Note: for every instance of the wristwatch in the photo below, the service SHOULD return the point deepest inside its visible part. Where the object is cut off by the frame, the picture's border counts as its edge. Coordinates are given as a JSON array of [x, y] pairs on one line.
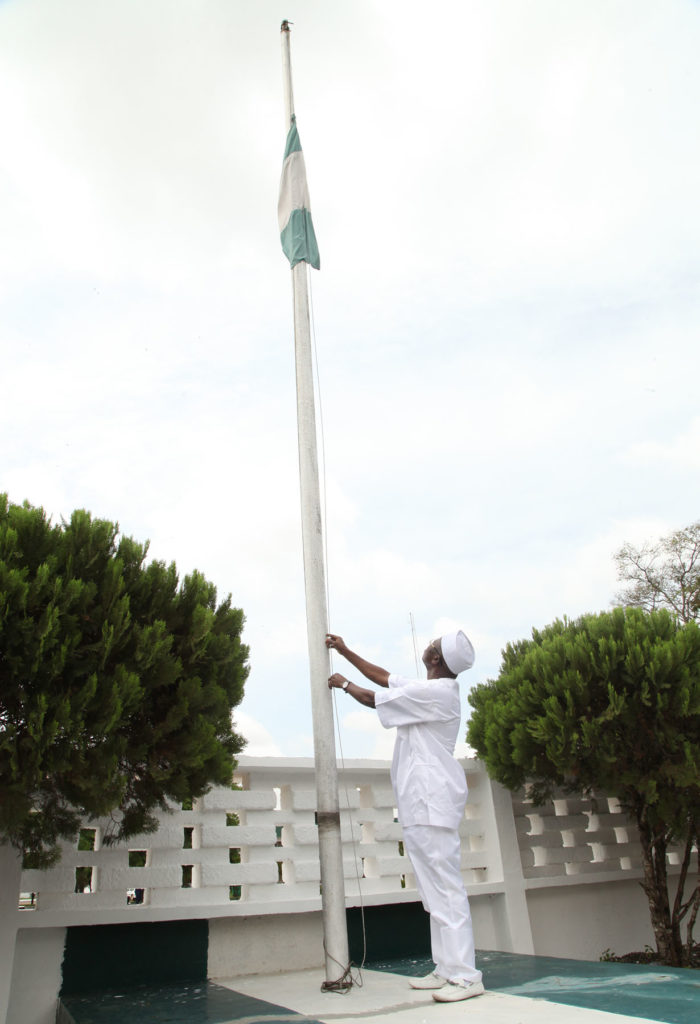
[[345, 685]]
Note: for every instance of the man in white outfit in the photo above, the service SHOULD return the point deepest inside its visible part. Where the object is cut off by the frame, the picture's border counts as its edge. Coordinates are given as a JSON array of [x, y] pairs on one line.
[[431, 791]]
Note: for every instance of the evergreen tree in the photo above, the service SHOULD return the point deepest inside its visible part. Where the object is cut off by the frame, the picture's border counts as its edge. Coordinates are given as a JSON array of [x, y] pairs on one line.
[[116, 681], [609, 702]]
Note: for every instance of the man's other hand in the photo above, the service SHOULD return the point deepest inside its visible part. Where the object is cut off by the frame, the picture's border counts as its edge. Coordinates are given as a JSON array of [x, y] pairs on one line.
[[336, 643]]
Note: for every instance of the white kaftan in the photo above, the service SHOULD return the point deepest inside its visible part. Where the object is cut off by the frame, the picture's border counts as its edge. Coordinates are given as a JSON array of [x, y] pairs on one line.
[[431, 792]]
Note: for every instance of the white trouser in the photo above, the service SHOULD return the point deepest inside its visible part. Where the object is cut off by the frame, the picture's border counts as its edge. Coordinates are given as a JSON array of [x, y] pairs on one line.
[[434, 853]]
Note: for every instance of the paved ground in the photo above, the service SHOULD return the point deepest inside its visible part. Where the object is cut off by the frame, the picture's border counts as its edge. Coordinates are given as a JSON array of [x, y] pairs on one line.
[[388, 997]]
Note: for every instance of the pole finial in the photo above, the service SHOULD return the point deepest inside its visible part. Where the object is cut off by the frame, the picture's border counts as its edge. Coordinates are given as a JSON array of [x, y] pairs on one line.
[[285, 25]]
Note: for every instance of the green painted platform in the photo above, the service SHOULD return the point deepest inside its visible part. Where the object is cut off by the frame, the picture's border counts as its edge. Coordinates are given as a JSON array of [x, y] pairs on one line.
[[193, 1003], [669, 995]]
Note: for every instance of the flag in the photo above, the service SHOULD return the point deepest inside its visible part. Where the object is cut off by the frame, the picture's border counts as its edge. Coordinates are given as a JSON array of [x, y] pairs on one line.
[[293, 210]]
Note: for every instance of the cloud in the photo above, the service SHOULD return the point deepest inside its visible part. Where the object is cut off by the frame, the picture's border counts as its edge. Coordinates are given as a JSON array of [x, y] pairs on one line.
[[682, 452], [259, 742]]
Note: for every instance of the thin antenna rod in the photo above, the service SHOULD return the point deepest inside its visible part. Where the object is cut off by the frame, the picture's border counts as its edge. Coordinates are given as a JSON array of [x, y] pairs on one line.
[[415, 646]]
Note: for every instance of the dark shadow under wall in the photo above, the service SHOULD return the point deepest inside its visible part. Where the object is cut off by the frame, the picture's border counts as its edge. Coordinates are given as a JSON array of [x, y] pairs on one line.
[[394, 930], [99, 957]]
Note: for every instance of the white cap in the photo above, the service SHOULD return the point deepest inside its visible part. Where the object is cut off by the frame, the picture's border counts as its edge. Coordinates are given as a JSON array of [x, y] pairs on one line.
[[457, 651]]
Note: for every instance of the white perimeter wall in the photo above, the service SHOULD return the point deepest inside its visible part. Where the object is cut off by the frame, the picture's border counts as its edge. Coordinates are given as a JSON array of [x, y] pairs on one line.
[[562, 880], [36, 978]]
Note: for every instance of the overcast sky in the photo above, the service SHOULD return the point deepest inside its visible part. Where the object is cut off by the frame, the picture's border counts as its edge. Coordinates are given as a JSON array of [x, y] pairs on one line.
[[506, 200]]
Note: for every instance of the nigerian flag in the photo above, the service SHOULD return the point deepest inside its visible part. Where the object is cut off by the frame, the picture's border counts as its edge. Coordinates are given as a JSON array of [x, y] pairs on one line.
[[293, 210]]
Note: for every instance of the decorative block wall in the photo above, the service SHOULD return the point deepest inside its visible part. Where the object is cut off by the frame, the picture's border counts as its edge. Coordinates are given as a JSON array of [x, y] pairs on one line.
[[253, 850], [574, 836]]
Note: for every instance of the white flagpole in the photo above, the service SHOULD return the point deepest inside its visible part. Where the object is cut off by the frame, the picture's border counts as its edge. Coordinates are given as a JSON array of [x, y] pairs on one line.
[[335, 932]]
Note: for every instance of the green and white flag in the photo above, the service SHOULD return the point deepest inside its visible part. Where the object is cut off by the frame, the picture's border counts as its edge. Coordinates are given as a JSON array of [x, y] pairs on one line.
[[293, 210]]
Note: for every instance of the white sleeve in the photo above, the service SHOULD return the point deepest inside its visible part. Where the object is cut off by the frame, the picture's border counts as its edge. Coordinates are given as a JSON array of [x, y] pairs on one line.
[[409, 701], [396, 681]]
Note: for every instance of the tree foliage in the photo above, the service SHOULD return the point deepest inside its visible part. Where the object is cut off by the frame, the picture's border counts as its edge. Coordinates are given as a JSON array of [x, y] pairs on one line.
[[663, 575], [116, 681], [608, 702]]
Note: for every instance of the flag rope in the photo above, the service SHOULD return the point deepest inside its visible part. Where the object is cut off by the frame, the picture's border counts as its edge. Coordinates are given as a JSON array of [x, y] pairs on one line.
[[354, 842]]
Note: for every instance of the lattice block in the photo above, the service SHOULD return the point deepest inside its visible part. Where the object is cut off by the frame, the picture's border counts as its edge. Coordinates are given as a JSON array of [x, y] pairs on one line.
[[304, 799], [565, 822], [569, 855], [544, 871], [190, 897], [167, 858], [521, 807], [469, 859], [617, 820], [392, 865], [170, 833], [527, 858], [308, 870], [578, 837], [305, 835], [388, 831], [140, 878], [578, 805], [238, 874], [238, 835], [377, 816], [82, 901], [350, 832], [545, 839], [385, 850], [602, 835], [614, 853], [241, 799], [523, 826], [348, 798], [593, 867], [58, 879]]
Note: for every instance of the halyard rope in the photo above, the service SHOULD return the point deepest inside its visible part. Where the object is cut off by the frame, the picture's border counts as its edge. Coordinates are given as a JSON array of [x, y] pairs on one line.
[[344, 983]]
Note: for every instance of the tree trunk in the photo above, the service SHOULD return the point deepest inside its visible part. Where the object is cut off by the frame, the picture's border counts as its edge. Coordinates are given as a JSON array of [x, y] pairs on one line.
[[667, 932], [692, 905], [681, 908]]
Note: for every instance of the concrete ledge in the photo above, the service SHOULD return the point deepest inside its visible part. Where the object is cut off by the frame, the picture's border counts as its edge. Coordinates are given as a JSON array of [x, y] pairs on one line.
[[389, 996]]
